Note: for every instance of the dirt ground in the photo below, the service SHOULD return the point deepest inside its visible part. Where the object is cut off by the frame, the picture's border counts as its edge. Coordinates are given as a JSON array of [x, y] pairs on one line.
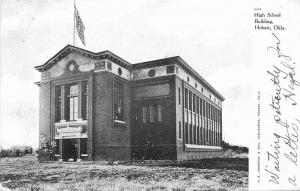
[[219, 174]]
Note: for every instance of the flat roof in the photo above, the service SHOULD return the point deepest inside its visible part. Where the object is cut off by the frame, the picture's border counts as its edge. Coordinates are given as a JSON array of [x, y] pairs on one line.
[[180, 62]]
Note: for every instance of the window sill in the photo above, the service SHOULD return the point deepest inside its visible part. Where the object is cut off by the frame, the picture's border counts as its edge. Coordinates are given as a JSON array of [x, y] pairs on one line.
[[191, 147], [64, 122], [119, 121]]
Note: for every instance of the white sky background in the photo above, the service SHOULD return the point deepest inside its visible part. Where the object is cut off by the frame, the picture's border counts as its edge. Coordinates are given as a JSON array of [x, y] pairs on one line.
[[211, 36]]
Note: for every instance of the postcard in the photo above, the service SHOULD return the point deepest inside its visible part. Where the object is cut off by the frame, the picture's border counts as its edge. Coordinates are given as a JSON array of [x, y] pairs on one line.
[[275, 46], [149, 95]]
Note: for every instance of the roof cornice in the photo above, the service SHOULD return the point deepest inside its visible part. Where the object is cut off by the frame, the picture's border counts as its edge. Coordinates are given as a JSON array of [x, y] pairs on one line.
[[72, 49], [180, 62], [121, 62]]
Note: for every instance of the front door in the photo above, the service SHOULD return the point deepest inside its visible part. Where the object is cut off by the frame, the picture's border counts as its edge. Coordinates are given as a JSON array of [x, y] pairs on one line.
[[69, 150]]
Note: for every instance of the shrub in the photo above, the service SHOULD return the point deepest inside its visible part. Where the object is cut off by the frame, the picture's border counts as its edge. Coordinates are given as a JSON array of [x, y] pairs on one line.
[[6, 153], [47, 149]]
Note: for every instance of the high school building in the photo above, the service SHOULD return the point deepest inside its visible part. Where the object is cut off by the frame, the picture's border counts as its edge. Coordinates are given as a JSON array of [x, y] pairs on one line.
[[97, 106]]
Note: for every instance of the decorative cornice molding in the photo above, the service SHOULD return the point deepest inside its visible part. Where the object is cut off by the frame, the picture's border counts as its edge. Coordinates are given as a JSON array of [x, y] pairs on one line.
[[72, 49], [123, 63], [181, 63]]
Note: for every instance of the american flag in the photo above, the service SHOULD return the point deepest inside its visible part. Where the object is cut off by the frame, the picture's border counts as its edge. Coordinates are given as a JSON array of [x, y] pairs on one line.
[[79, 25]]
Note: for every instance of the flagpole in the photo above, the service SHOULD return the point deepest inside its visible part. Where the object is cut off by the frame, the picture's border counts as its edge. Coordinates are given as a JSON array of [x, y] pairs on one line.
[[74, 26]]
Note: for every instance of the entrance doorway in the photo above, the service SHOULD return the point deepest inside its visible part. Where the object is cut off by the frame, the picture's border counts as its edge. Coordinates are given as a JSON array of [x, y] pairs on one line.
[[148, 129], [69, 150]]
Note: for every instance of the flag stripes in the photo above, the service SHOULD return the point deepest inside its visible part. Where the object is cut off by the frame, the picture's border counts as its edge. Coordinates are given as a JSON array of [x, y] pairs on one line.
[[79, 25]]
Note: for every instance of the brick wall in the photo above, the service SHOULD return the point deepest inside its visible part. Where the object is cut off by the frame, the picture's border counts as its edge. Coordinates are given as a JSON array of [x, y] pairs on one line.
[[44, 112], [101, 101], [109, 139], [162, 135]]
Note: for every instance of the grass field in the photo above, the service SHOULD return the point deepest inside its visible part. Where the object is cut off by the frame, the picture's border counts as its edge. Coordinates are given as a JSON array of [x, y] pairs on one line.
[[27, 173]]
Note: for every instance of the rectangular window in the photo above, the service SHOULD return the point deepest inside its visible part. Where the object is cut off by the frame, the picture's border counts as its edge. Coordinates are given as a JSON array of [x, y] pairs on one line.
[[185, 98], [108, 65], [144, 114], [207, 111], [151, 113], [57, 103], [194, 102], [159, 118], [186, 133], [201, 136], [198, 135], [170, 69], [197, 105], [204, 108], [201, 107], [195, 135], [191, 135], [220, 117], [179, 97], [210, 111], [118, 101], [179, 129], [190, 100], [214, 114], [72, 102], [100, 65], [84, 100]]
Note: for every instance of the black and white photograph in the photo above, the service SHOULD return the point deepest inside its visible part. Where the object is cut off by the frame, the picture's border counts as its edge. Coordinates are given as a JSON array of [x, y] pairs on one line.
[[148, 95]]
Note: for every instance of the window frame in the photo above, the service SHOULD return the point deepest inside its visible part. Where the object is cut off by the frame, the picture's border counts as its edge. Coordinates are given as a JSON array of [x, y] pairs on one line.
[[58, 102], [179, 96], [179, 130], [118, 98], [72, 105]]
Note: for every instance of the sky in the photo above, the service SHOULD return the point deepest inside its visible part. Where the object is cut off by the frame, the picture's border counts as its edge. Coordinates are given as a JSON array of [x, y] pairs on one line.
[[211, 36]]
